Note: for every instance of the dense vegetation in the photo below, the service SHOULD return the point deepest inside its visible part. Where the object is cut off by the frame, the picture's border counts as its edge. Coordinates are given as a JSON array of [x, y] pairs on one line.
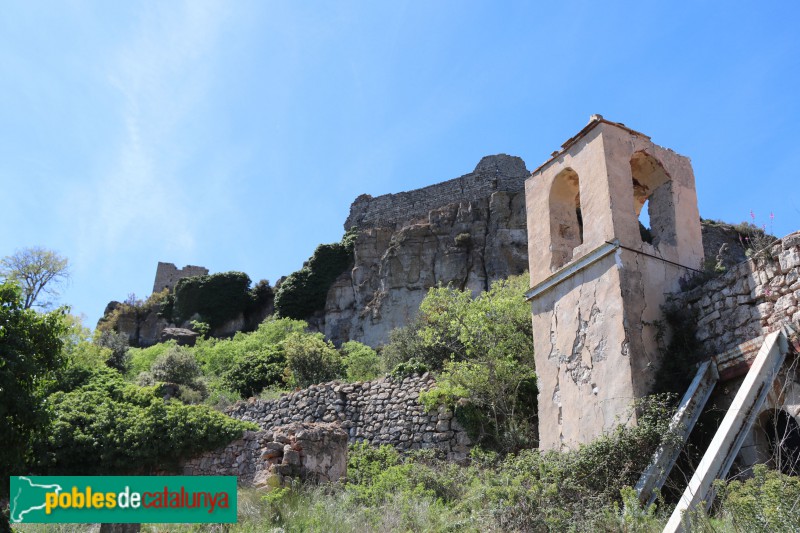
[[206, 302], [113, 409], [303, 292]]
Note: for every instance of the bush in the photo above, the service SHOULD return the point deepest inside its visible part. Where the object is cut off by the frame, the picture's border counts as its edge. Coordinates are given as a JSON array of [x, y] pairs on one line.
[[495, 400], [250, 374], [107, 426], [770, 501], [451, 325], [141, 359], [483, 347], [409, 368], [556, 491], [304, 292], [311, 360], [216, 298], [361, 361], [178, 366]]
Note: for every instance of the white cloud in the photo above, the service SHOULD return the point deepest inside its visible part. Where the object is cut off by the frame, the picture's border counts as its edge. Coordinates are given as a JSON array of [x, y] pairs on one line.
[[162, 74]]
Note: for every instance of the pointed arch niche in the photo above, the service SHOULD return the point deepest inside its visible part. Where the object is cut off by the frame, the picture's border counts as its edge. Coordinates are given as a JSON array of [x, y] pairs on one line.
[[566, 219]]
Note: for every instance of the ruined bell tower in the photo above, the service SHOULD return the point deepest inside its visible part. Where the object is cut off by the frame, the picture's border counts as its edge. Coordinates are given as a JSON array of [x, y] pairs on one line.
[[598, 279]]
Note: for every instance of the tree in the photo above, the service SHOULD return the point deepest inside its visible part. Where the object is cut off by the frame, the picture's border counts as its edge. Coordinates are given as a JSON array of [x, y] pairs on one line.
[[30, 354], [38, 271]]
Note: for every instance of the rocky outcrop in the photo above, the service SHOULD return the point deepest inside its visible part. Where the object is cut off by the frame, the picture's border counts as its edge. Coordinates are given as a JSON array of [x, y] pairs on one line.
[[467, 232], [182, 336]]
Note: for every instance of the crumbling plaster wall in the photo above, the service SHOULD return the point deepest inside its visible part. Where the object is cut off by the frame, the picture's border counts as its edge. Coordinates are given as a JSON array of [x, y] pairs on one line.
[[594, 336]]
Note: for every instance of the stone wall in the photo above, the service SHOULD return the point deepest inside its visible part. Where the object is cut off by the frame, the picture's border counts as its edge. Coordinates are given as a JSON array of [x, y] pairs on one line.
[[748, 301], [492, 174], [309, 452], [167, 275], [467, 232], [385, 411]]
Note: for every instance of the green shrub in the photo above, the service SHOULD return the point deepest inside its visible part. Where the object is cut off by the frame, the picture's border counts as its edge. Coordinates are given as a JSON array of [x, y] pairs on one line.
[[253, 372], [310, 359], [409, 368], [451, 325], [303, 292], [106, 425], [141, 359], [495, 400], [361, 361], [534, 491], [117, 343], [770, 501], [406, 344], [177, 365], [483, 347], [216, 298]]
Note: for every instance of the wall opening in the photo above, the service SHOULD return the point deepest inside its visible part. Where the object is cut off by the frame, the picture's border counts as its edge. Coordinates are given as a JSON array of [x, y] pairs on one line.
[[653, 202], [566, 218], [783, 435]]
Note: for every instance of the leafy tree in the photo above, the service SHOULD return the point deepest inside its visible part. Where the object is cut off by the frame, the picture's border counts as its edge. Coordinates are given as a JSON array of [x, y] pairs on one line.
[[311, 360], [484, 347], [117, 343], [30, 355], [216, 298], [38, 271]]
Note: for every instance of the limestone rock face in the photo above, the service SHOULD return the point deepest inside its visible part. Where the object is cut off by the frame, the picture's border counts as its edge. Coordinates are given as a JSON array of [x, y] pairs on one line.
[[467, 232]]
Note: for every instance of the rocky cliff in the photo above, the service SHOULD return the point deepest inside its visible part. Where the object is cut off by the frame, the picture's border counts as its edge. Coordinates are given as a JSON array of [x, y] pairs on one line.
[[468, 232]]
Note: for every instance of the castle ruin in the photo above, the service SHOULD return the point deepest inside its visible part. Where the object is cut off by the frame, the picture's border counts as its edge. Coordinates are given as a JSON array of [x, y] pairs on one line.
[[167, 275]]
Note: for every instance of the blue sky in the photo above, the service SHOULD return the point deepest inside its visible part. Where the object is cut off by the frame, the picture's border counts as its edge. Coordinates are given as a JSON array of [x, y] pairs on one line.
[[235, 134]]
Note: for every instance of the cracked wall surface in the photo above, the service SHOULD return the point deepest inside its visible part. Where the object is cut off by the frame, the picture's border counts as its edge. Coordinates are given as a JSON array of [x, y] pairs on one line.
[[594, 333]]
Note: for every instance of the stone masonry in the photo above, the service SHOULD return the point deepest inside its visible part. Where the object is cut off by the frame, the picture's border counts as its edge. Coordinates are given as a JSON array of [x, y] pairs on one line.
[[468, 232], [167, 275], [385, 411], [750, 300], [308, 452], [498, 173]]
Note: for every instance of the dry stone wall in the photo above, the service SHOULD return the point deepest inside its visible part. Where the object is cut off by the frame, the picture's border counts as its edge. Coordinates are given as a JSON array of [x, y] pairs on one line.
[[385, 411], [748, 301], [309, 452]]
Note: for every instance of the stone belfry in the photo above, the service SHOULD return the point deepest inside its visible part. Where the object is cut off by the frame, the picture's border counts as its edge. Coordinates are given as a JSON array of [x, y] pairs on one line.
[[599, 277]]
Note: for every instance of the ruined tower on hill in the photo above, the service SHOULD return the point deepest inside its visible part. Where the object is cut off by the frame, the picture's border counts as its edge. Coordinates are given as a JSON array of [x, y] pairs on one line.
[[167, 275], [468, 232], [598, 280]]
